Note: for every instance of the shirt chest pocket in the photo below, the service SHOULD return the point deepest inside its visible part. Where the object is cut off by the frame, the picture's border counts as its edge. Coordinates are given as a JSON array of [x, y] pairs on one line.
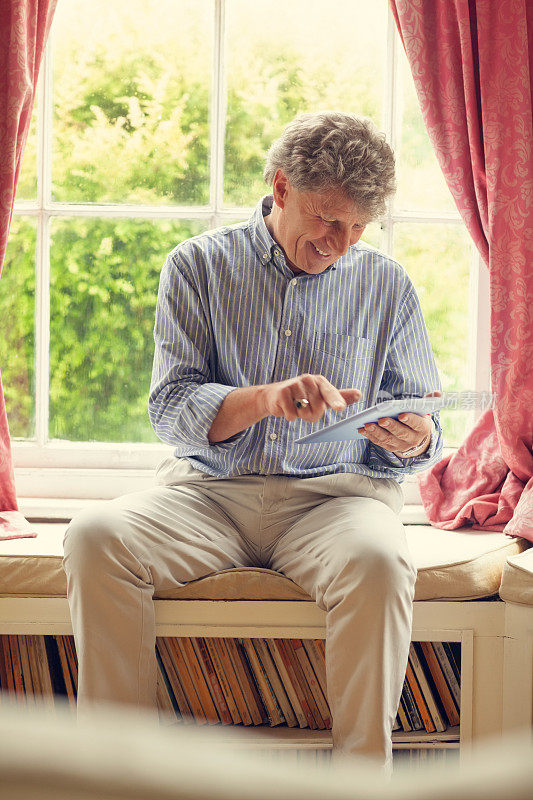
[[345, 360]]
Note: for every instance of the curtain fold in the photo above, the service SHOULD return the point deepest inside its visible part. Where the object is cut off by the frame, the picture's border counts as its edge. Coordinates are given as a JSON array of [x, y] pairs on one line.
[[472, 65], [24, 27]]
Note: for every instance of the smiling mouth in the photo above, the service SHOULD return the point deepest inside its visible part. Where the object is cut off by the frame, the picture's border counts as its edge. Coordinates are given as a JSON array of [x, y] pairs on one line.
[[321, 252]]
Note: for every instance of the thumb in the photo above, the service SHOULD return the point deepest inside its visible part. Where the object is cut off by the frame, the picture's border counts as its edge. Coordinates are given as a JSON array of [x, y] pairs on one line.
[[350, 395]]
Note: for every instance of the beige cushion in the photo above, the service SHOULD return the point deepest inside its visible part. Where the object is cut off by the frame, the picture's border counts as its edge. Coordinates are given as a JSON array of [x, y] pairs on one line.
[[452, 565], [517, 579]]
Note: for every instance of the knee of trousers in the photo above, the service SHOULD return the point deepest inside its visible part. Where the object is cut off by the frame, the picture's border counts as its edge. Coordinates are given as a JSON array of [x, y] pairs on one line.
[[388, 572], [96, 537]]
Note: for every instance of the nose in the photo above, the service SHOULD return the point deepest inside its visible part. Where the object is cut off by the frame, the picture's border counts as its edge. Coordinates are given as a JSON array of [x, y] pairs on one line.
[[341, 240]]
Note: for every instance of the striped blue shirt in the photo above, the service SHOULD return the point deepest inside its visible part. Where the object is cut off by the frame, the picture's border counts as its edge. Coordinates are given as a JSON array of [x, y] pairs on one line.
[[231, 313]]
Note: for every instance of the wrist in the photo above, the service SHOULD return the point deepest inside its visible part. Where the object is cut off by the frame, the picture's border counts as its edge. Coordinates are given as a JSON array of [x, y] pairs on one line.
[[417, 450]]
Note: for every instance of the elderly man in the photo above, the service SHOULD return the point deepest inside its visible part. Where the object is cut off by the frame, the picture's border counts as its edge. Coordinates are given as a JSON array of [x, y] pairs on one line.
[[265, 331]]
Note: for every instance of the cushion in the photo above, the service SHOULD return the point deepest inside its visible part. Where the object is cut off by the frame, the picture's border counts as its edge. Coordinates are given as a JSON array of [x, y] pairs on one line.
[[452, 565], [517, 579]]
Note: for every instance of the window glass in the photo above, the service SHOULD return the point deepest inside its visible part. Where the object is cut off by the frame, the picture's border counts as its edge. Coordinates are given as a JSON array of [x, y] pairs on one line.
[[437, 258], [421, 183], [104, 281], [17, 342], [27, 182], [285, 58], [131, 99]]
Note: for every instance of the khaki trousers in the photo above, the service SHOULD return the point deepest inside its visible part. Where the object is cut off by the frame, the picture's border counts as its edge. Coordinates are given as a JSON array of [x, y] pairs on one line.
[[337, 536]]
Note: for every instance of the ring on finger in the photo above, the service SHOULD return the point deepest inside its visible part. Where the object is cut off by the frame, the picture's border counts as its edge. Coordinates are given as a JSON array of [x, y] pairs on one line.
[[301, 402]]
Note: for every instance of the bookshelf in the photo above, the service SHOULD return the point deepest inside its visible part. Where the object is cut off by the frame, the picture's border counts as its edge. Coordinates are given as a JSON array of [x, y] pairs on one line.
[[475, 627]]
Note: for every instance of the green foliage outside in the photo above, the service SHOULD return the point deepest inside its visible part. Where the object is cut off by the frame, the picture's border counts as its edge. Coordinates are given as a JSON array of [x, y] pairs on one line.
[[131, 125]]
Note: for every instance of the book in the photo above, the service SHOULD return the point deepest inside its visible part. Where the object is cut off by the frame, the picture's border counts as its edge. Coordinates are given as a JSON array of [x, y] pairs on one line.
[[241, 680], [317, 662], [167, 659], [211, 677], [70, 649], [296, 676], [275, 714], [269, 665], [438, 720], [6, 669], [312, 682], [26, 669], [231, 675], [252, 688], [215, 653], [166, 701], [443, 656], [174, 644], [415, 720], [44, 669], [439, 679], [287, 683], [200, 683], [17, 668], [404, 719], [429, 725], [67, 677]]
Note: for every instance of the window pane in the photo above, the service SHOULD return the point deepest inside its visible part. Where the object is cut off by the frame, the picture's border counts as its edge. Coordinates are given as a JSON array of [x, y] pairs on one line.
[[421, 184], [437, 258], [27, 183], [131, 95], [284, 58], [17, 342], [104, 280]]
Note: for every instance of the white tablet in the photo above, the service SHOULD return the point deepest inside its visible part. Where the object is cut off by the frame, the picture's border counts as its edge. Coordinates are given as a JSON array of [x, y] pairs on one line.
[[347, 428]]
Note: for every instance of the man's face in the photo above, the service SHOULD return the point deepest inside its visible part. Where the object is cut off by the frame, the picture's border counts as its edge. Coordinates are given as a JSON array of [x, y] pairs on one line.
[[315, 228]]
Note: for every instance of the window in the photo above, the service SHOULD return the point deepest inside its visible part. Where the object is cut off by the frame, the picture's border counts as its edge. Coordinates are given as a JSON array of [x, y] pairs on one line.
[[151, 125]]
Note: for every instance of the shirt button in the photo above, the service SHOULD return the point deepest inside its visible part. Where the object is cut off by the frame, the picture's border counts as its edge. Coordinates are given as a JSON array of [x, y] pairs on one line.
[[273, 436], [288, 332], [265, 256], [294, 282], [277, 253]]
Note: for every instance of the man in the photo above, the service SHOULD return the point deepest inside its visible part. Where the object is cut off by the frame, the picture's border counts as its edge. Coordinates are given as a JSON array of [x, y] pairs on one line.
[[265, 331]]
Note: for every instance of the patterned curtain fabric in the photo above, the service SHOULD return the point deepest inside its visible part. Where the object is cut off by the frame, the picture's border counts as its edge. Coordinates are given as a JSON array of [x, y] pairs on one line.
[[24, 26], [472, 64]]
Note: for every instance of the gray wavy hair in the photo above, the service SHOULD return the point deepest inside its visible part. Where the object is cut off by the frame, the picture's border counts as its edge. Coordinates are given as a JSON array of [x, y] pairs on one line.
[[333, 150]]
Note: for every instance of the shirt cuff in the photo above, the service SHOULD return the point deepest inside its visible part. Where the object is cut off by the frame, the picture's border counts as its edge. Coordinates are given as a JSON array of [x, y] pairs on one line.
[[198, 414], [412, 463]]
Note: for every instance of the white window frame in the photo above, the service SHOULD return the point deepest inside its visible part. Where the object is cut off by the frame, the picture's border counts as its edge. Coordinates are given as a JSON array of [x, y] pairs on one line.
[[53, 469]]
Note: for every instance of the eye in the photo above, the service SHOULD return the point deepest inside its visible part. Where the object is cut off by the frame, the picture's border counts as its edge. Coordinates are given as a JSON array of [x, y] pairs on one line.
[[327, 221]]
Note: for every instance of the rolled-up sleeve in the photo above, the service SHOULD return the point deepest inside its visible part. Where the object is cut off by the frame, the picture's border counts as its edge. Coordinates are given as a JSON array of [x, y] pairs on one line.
[[410, 371], [183, 400]]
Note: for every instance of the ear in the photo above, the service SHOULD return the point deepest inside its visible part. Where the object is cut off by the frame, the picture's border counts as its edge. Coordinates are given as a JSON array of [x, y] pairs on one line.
[[280, 188]]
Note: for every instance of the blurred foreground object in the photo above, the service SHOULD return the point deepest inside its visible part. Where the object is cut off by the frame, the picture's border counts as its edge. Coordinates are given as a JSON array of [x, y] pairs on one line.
[[115, 754]]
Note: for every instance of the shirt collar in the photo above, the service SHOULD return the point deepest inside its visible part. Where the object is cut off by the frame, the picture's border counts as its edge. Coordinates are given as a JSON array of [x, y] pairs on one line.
[[265, 245]]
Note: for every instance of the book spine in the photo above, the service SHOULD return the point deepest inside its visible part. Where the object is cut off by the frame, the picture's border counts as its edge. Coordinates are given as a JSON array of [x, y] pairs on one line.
[[269, 666], [17, 669], [287, 682], [200, 684], [234, 686], [419, 698], [252, 684], [293, 646], [166, 700], [312, 682], [415, 719], [274, 712], [26, 669], [214, 683], [167, 657], [404, 720], [72, 659], [186, 681], [293, 668], [8, 680], [237, 680], [427, 693], [318, 664], [213, 648], [452, 712], [449, 672]]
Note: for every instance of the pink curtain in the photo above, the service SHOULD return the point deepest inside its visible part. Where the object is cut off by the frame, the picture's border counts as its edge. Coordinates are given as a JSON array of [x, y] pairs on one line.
[[472, 64], [24, 26]]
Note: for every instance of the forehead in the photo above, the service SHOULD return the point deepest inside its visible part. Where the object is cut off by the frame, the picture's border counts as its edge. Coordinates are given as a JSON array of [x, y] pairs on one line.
[[333, 203]]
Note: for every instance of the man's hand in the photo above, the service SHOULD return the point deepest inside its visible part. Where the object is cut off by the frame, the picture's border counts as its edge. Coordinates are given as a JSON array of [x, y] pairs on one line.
[[279, 399], [404, 433]]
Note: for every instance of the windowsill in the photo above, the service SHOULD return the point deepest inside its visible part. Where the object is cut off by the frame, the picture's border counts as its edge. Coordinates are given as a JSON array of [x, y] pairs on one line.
[[54, 509]]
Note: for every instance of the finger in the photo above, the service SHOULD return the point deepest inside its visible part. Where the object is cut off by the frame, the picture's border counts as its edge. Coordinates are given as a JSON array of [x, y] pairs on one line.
[[415, 421], [350, 395], [329, 395], [317, 404], [395, 428], [381, 437]]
